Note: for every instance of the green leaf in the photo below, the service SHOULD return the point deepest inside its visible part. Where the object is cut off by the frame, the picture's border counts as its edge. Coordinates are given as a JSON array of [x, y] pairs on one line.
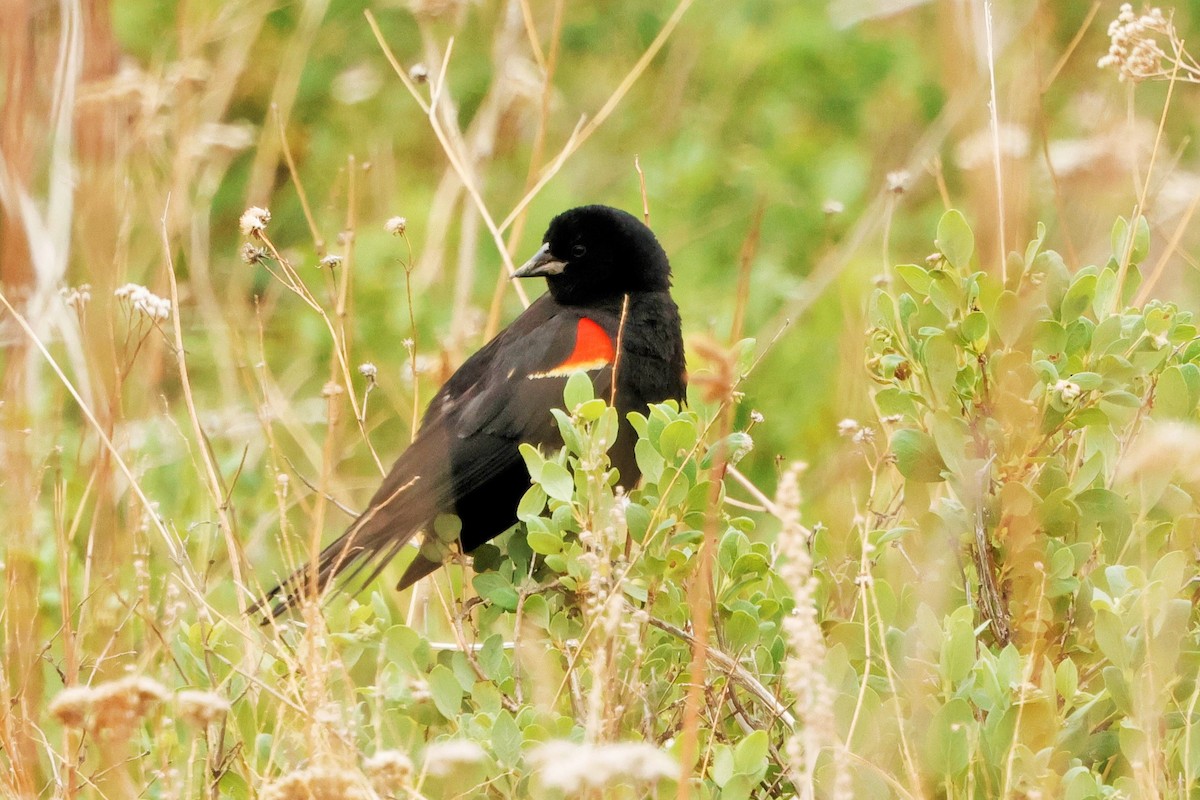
[[975, 330], [679, 435], [578, 390], [722, 764], [590, 410], [750, 754], [741, 631], [649, 461], [533, 502], [446, 691], [557, 481], [1078, 298], [1106, 292], [915, 276], [955, 240], [958, 648], [1172, 396], [941, 364], [506, 738], [543, 543], [497, 589], [1119, 238], [948, 738], [732, 449], [533, 461], [917, 456]]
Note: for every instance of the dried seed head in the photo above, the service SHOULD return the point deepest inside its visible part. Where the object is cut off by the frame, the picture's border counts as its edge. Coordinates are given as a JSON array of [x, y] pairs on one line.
[[833, 207], [71, 705], [332, 261], [254, 221], [396, 226], [368, 371], [443, 758], [252, 253], [117, 707], [897, 181], [419, 73], [1134, 49], [320, 783], [200, 708], [389, 770]]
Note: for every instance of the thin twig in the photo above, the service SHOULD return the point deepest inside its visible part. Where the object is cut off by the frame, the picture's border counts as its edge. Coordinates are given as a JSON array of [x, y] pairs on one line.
[[215, 483]]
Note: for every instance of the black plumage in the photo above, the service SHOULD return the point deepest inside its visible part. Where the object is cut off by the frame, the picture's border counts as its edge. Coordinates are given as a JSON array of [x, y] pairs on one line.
[[465, 459]]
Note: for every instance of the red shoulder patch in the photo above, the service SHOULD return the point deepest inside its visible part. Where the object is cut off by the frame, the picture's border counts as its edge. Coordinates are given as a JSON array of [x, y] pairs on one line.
[[593, 349]]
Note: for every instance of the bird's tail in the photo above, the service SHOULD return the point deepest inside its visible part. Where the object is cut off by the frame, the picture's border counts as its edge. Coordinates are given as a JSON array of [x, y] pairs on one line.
[[404, 504]]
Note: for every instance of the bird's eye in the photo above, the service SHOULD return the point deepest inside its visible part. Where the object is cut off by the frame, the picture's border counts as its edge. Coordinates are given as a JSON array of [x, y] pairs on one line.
[[579, 251]]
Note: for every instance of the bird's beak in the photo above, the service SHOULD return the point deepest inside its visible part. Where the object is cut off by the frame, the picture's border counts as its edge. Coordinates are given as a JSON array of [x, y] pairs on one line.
[[543, 263]]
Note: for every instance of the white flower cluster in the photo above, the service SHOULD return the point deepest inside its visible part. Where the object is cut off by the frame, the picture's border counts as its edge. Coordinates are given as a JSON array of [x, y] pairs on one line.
[[76, 297], [575, 768], [1066, 392], [1133, 49], [851, 429], [143, 301]]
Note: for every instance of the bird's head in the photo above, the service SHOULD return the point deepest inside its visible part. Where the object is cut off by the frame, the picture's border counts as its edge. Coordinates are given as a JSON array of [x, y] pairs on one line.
[[595, 253]]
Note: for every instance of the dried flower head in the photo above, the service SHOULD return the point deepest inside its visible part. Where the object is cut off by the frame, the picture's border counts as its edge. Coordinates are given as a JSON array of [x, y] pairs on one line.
[[252, 253], [368, 371], [254, 221], [396, 226], [389, 770], [320, 783], [113, 709], [1134, 49], [76, 297], [577, 768], [142, 301], [331, 261], [864, 435], [897, 181], [200, 708], [833, 207], [443, 758], [71, 705], [419, 73], [331, 389], [848, 427]]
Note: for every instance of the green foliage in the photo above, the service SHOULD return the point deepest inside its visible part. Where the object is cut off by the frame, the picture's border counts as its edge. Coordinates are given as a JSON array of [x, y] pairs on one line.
[[1033, 400]]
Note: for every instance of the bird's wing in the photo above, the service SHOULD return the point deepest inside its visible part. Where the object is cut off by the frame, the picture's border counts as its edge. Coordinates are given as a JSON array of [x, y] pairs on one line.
[[499, 397]]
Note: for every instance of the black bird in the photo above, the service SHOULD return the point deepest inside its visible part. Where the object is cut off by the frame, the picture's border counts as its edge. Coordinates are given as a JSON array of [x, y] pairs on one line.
[[464, 460]]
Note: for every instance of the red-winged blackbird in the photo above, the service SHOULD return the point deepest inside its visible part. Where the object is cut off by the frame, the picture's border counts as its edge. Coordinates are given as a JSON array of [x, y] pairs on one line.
[[465, 460]]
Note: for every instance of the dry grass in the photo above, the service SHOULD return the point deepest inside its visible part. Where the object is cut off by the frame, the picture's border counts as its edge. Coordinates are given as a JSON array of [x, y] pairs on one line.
[[151, 466]]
